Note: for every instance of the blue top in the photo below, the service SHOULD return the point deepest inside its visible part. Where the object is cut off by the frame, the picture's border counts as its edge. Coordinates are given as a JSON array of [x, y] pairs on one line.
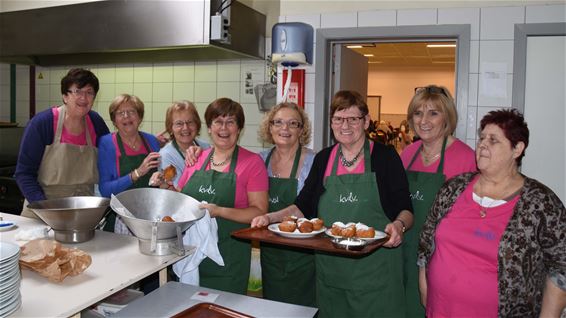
[[110, 180], [39, 134], [305, 169], [170, 156]]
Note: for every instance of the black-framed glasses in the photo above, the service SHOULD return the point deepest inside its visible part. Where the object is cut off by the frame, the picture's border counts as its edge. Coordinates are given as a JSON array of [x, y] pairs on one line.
[[80, 93], [181, 123], [294, 124], [431, 90], [335, 120]]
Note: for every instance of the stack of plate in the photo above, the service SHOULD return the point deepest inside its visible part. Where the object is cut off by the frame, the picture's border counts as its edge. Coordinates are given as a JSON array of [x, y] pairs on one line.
[[10, 299]]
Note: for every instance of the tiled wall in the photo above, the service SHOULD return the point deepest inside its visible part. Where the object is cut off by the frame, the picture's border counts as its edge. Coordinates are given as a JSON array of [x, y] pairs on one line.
[[156, 84], [492, 32]]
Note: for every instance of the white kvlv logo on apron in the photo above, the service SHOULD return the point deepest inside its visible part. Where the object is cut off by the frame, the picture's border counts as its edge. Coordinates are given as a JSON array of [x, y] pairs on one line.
[[207, 190], [274, 200], [348, 199], [417, 196]]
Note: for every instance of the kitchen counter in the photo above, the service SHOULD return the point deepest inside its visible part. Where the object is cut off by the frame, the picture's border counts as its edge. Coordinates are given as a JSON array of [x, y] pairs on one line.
[[175, 297], [116, 264]]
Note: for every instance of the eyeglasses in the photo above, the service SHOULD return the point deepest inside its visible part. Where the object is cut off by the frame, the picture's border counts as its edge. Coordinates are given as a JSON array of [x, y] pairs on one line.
[[128, 112], [79, 93], [181, 123], [431, 90], [218, 123], [279, 123], [338, 121]]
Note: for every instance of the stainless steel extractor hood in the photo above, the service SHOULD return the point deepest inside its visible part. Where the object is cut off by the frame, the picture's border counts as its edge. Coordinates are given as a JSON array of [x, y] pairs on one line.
[[128, 31]]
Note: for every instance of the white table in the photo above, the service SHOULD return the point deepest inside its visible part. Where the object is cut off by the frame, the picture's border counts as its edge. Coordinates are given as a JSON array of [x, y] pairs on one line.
[[175, 297], [116, 264]]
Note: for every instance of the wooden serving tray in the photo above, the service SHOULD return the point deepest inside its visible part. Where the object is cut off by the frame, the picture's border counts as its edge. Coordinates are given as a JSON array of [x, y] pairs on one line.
[[320, 242], [210, 310]]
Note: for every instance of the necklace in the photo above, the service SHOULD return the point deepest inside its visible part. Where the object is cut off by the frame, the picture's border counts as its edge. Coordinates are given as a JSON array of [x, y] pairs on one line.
[[348, 163], [483, 208], [219, 164], [428, 158], [134, 144]]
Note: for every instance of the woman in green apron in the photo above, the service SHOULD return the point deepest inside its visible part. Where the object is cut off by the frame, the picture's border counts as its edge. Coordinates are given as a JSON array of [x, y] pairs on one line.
[[287, 274], [60, 141], [357, 181], [437, 156], [233, 181], [127, 157]]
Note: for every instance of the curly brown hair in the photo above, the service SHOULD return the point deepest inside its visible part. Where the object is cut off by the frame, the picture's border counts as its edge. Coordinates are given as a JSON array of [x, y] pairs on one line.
[[265, 133]]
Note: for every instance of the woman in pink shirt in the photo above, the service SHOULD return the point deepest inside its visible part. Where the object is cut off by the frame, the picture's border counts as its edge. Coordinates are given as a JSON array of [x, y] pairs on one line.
[[436, 157], [494, 243]]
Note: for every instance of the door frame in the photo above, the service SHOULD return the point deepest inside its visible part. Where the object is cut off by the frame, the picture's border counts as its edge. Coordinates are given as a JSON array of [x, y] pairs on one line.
[[522, 32], [325, 38]]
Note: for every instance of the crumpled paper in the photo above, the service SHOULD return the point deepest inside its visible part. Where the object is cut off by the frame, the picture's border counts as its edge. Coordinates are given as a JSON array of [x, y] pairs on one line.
[[52, 260]]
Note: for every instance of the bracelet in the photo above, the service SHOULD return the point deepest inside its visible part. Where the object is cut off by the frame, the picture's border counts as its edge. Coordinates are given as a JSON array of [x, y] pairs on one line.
[[136, 173], [402, 224]]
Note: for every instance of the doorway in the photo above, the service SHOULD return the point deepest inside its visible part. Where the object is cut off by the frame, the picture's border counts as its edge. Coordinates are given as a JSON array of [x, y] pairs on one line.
[[327, 71]]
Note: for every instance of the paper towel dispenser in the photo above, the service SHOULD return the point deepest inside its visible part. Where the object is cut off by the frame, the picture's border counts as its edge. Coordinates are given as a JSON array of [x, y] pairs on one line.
[[292, 43]]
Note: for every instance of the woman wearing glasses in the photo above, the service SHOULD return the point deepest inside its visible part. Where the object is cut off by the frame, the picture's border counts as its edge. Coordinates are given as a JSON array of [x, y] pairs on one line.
[[436, 157], [357, 181], [60, 141], [182, 123], [287, 274], [126, 158], [233, 180]]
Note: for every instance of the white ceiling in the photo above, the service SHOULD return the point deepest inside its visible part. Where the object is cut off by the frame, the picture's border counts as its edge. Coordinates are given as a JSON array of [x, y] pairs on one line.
[[408, 54]]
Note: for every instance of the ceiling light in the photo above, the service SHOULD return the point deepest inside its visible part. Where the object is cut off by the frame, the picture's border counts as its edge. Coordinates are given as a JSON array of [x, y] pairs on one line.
[[375, 62], [368, 55], [441, 45], [354, 46]]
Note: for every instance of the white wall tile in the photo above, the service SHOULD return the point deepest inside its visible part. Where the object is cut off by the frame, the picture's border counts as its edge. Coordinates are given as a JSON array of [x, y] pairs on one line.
[[417, 17], [148, 112], [546, 14], [41, 75], [124, 88], [469, 16], [143, 73], [474, 56], [106, 74], [157, 127], [22, 92], [228, 89], [498, 23], [158, 112], [471, 122], [312, 19], [163, 73], [41, 92], [106, 93], [162, 92], [205, 72], [249, 137], [339, 20], [184, 72], [252, 113], [144, 91], [22, 108], [124, 73], [497, 52], [183, 91], [377, 18], [228, 71], [309, 88], [205, 92], [55, 93], [485, 100], [22, 75], [473, 83], [56, 74]]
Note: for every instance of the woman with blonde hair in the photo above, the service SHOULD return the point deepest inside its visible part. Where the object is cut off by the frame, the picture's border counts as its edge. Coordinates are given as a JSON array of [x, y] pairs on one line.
[[288, 274]]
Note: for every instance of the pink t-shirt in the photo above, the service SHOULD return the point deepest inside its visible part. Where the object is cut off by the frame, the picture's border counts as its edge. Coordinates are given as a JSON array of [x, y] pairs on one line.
[[359, 169], [251, 174], [458, 158], [67, 137], [142, 150], [462, 273]]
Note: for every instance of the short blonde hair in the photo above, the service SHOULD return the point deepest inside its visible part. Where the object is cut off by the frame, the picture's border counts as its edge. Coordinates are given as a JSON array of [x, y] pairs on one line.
[[265, 133], [178, 107], [124, 99], [440, 97]]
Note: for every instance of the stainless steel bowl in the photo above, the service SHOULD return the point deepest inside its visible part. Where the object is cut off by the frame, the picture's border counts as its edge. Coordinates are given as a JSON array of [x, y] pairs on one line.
[[73, 219], [350, 244]]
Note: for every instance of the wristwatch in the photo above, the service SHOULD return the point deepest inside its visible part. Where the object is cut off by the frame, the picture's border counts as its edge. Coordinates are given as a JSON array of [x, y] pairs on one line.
[[402, 224]]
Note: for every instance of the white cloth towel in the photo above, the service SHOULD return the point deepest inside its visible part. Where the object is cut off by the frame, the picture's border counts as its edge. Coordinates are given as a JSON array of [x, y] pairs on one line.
[[204, 235]]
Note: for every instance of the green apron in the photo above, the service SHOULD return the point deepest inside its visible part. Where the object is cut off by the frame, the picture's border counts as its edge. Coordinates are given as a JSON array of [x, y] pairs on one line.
[[287, 273], [368, 286], [127, 165], [220, 188], [423, 187]]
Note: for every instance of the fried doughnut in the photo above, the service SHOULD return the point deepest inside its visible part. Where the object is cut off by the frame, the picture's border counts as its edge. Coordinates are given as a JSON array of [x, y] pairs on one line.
[[336, 229], [317, 224], [167, 218], [291, 218], [169, 173], [348, 231], [305, 226], [287, 226], [364, 231]]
